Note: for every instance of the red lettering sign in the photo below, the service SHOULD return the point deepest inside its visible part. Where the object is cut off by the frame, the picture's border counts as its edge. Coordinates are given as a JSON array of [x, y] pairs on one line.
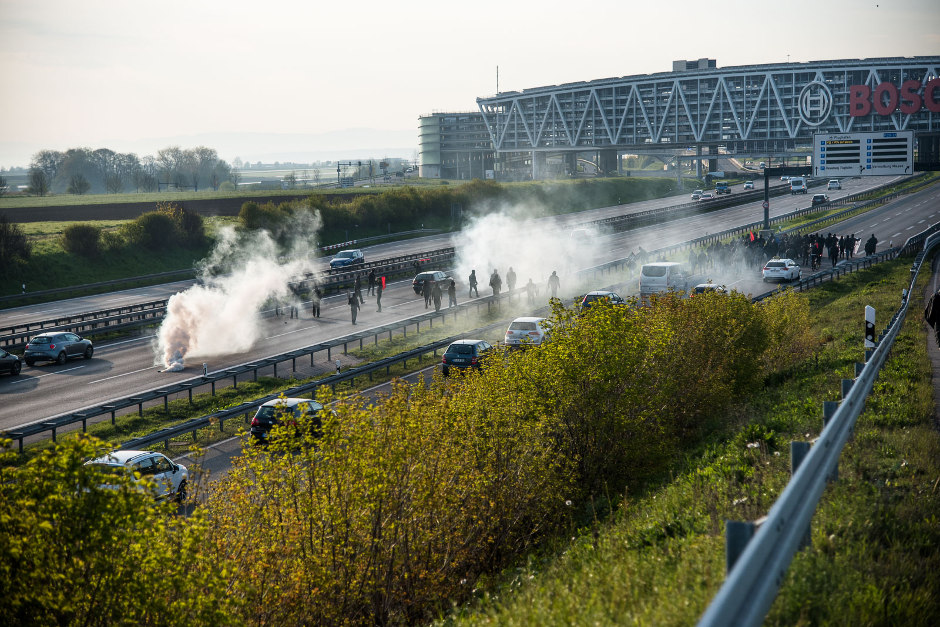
[[887, 98]]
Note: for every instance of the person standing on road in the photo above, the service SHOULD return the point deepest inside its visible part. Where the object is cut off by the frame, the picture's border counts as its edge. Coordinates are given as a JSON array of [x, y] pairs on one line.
[[353, 305], [871, 245], [315, 301], [378, 297], [372, 281], [510, 281], [359, 288], [554, 283], [437, 295], [473, 284], [496, 283], [426, 292], [530, 290], [452, 294]]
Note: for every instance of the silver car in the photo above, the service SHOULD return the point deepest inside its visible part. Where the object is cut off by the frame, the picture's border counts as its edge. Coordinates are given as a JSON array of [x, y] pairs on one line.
[[57, 347], [166, 478]]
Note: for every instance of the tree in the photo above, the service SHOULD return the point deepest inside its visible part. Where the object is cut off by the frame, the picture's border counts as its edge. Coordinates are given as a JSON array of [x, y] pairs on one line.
[[38, 182], [78, 184], [316, 177], [13, 243], [114, 183], [291, 179], [3, 185], [234, 176]]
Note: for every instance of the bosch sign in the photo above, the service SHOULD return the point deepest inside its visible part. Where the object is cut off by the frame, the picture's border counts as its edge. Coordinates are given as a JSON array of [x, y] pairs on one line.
[[887, 98]]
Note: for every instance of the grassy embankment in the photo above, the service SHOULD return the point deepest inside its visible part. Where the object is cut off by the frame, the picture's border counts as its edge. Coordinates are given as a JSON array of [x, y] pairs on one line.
[[874, 558]]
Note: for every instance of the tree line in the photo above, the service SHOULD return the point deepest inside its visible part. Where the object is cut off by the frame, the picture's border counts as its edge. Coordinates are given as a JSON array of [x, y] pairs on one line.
[[83, 170]]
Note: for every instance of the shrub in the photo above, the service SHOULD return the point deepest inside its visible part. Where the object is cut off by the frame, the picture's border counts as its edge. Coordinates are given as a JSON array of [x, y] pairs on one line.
[[13, 243], [82, 239], [189, 225], [154, 230]]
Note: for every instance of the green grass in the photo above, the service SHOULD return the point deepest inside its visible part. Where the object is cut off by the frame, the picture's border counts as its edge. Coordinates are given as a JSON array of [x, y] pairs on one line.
[[659, 559]]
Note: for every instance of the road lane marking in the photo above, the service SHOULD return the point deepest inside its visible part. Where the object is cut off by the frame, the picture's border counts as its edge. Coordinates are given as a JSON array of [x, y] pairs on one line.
[[48, 374], [289, 332], [895, 235], [118, 376]]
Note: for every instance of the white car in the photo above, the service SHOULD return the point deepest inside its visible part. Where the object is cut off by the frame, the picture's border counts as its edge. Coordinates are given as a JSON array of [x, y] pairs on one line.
[[748, 184], [168, 478], [781, 270], [697, 194], [527, 330], [834, 184], [706, 196]]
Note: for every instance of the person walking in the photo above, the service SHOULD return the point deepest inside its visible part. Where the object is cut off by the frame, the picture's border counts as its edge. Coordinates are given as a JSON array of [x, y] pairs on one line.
[[510, 281], [437, 295], [353, 305], [359, 288], [530, 290], [554, 283], [871, 245], [426, 292], [315, 301], [371, 281], [496, 283], [452, 294], [473, 284], [378, 296]]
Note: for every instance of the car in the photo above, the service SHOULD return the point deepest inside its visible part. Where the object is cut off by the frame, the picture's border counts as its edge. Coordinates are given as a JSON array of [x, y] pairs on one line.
[[599, 295], [701, 288], [707, 196], [57, 347], [762, 165], [748, 184], [417, 284], [9, 363], [834, 184], [464, 354], [820, 199], [527, 331], [797, 185], [351, 257], [662, 276], [785, 179], [169, 478], [782, 270], [289, 410], [722, 188], [697, 194]]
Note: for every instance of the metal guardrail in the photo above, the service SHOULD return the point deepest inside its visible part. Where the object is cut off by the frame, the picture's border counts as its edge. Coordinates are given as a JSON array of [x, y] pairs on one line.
[[755, 577]]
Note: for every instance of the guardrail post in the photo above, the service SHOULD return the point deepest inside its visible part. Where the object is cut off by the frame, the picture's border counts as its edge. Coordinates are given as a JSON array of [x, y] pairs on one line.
[[829, 410], [166, 403], [858, 369], [846, 387], [737, 535], [798, 452]]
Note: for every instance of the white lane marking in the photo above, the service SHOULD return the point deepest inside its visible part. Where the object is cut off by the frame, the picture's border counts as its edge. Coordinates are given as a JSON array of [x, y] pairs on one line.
[[118, 376], [288, 332], [871, 226], [921, 222], [115, 300], [136, 339], [895, 235], [907, 229], [48, 374]]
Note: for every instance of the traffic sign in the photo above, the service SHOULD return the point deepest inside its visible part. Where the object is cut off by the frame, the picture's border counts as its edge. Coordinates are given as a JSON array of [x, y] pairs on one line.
[[863, 154], [765, 205]]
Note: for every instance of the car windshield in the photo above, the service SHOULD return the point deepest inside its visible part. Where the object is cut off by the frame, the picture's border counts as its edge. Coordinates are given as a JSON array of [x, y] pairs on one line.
[[346, 254], [461, 349]]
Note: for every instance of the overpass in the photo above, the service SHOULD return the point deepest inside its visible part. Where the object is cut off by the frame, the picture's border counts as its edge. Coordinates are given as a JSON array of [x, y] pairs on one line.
[[746, 110]]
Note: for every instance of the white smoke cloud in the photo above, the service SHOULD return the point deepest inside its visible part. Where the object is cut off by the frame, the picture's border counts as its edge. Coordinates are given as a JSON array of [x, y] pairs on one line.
[[222, 314]]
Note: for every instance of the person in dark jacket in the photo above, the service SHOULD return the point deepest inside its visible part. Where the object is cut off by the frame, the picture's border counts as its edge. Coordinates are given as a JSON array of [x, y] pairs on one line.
[[451, 294], [437, 295], [378, 296], [371, 281], [426, 292], [473, 284], [496, 283], [554, 282], [359, 288], [315, 301], [353, 305], [871, 245]]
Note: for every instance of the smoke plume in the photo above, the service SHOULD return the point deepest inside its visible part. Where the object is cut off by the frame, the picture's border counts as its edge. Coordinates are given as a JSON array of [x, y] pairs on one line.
[[221, 315]]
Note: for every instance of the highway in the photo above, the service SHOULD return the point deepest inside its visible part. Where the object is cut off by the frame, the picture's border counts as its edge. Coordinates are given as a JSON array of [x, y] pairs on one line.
[[122, 367]]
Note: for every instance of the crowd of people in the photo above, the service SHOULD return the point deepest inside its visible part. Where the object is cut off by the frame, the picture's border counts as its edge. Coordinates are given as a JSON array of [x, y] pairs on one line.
[[751, 251]]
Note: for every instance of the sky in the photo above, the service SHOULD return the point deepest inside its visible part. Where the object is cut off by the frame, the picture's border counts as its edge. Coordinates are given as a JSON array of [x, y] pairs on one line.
[[255, 80]]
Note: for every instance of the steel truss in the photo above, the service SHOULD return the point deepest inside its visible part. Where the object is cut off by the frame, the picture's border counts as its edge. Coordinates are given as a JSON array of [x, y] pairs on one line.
[[746, 106]]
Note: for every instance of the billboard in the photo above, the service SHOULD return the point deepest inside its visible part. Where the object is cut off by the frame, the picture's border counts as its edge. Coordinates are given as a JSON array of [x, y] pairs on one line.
[[863, 154]]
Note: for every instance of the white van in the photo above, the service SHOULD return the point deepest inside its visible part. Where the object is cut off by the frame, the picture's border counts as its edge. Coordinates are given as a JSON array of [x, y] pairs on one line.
[[797, 185], [662, 276]]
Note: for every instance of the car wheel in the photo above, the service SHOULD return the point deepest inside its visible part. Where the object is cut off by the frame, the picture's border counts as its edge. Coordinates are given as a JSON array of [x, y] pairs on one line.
[[89, 352], [181, 493], [61, 358], [30, 363], [15, 370]]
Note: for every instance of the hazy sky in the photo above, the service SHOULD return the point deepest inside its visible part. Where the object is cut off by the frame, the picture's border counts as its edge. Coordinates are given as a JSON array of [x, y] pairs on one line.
[[133, 75]]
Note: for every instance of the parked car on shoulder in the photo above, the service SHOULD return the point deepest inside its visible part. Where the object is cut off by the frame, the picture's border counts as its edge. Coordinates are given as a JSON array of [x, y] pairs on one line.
[[464, 354], [434, 276], [57, 347], [781, 270], [9, 363], [351, 257], [282, 411], [527, 331], [167, 478], [820, 199]]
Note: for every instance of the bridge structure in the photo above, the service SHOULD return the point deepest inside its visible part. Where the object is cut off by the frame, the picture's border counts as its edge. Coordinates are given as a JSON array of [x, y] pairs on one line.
[[744, 110]]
